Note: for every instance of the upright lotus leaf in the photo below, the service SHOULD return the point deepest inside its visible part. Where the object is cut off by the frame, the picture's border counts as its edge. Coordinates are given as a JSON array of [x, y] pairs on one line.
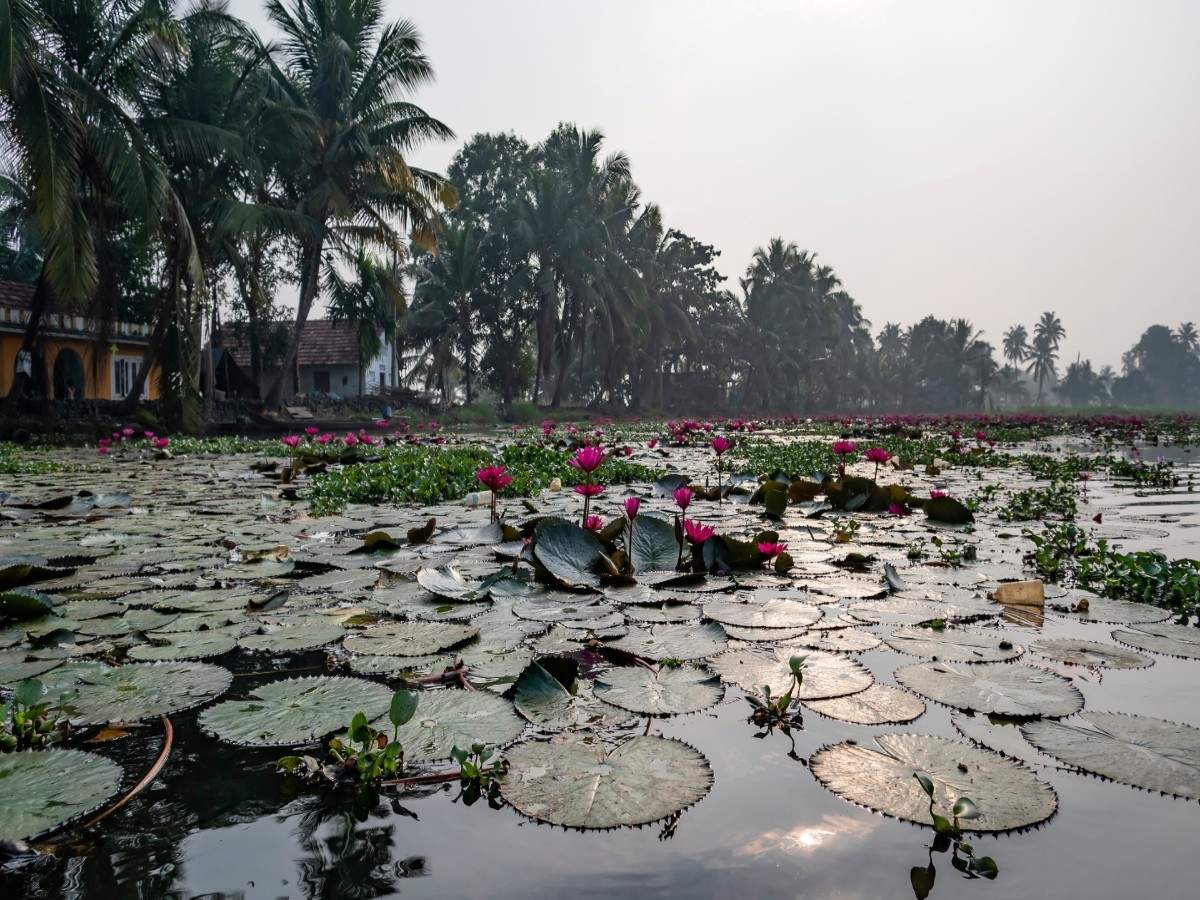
[[307, 633], [23, 603], [422, 533], [582, 784], [448, 582], [446, 719], [825, 674], [674, 641], [880, 704], [1007, 794], [193, 645], [775, 499], [569, 553], [1093, 654], [296, 711], [1173, 640], [948, 510], [654, 547], [969, 645], [1138, 750], [46, 789], [139, 691], [773, 613], [667, 692], [550, 696], [409, 638], [999, 688], [715, 556], [668, 484]]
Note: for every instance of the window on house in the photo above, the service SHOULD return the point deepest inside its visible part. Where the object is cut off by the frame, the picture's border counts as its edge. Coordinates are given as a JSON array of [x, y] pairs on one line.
[[383, 378], [345, 380], [125, 369]]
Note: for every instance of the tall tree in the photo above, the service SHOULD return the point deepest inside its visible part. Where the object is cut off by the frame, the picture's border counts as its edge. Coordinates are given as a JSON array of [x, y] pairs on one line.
[[1016, 344]]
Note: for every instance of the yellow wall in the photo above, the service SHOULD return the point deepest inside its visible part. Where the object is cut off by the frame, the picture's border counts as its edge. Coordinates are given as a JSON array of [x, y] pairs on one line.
[[97, 378]]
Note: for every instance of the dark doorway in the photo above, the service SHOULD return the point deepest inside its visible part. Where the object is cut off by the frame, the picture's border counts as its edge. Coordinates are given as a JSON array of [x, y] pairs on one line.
[[69, 382], [321, 382]]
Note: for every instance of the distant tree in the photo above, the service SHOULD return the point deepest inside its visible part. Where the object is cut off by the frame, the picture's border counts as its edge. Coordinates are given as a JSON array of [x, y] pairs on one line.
[[1043, 356], [1081, 386], [1016, 344], [1187, 335]]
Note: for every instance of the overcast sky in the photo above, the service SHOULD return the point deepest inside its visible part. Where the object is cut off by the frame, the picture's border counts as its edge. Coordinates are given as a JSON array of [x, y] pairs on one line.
[[962, 158]]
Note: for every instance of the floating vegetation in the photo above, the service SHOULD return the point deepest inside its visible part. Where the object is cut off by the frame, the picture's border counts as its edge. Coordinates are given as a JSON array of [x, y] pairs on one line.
[[45, 789], [999, 688]]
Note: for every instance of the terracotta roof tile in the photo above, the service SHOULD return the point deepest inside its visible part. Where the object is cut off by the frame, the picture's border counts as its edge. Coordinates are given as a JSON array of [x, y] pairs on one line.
[[16, 294], [324, 343]]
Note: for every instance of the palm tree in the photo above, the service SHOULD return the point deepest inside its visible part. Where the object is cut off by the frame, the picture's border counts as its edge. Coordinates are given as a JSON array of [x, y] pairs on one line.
[[372, 302], [340, 136], [1016, 344], [1043, 357], [1187, 335]]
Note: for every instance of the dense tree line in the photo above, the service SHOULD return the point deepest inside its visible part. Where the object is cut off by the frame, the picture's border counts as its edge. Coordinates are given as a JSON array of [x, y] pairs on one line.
[[166, 164]]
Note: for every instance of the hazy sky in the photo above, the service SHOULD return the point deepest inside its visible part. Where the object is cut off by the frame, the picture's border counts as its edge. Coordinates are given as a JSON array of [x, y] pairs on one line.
[[983, 159]]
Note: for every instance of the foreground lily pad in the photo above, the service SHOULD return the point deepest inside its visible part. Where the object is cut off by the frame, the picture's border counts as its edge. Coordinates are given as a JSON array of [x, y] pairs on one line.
[[1118, 612], [654, 547], [880, 704], [45, 789], [295, 711], [569, 553], [667, 692], [773, 613], [142, 690], [999, 688], [1077, 652], [825, 674], [1172, 640], [307, 634], [578, 784], [1138, 750], [1007, 795], [447, 719], [409, 638], [549, 695], [674, 641], [970, 645], [189, 645], [904, 611], [840, 640]]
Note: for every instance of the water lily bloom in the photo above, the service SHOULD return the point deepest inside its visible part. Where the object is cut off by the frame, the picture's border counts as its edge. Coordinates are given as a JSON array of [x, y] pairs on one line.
[[161, 443], [350, 439], [895, 509], [102, 450], [311, 430], [683, 497], [127, 431], [324, 439], [771, 549], [981, 436], [148, 435], [588, 490], [593, 523], [877, 455], [587, 459], [632, 505], [652, 443], [496, 478], [844, 448], [937, 495], [291, 440], [627, 451], [720, 444], [365, 439], [696, 532]]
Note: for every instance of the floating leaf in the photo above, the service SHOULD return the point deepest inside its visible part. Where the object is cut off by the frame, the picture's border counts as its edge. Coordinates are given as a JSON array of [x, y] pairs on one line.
[[307, 634], [45, 789], [446, 719], [773, 613], [139, 691], [948, 510], [1147, 753], [654, 547], [1173, 640], [954, 644], [840, 640], [1007, 794], [667, 692], [880, 704], [544, 699], [194, 645], [409, 638], [1077, 652], [447, 581], [295, 711], [569, 553], [825, 674], [1116, 612], [580, 784], [903, 611], [23, 603], [674, 641], [1007, 690]]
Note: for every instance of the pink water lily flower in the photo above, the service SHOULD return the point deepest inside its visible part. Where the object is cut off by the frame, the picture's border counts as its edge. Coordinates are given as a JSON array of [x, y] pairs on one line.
[[102, 450], [364, 438], [311, 430], [291, 440], [324, 439], [696, 532], [895, 509], [844, 448], [683, 497], [350, 439], [587, 459], [593, 523], [127, 431], [496, 478], [877, 455], [632, 505], [937, 495], [720, 444], [588, 490], [771, 549], [161, 443]]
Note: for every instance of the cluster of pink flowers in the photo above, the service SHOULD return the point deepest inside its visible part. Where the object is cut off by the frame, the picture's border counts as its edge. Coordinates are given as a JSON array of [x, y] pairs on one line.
[[772, 549], [128, 435]]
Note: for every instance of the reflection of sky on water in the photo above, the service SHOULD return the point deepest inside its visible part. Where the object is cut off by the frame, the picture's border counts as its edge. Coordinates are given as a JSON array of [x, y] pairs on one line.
[[808, 839]]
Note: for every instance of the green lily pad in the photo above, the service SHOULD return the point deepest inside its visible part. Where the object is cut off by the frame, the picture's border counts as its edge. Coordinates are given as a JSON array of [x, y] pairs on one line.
[[569, 553], [409, 638], [548, 702], [674, 641], [1008, 795], [1093, 654], [295, 711], [996, 688], [948, 510], [448, 582], [307, 634], [193, 645], [773, 613], [139, 691], [581, 784], [1148, 753], [1171, 640], [449, 718], [969, 645], [46, 789], [840, 640], [880, 704], [1117, 612], [667, 692], [826, 675]]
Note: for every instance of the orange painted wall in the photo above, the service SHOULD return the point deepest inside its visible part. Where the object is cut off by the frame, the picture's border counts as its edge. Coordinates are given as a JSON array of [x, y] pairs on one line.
[[97, 378]]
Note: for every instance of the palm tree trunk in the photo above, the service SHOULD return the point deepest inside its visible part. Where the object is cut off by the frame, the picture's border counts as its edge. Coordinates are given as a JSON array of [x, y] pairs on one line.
[[309, 288]]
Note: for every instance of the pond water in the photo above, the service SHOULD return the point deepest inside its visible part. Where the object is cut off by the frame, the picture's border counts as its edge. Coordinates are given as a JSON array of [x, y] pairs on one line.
[[219, 822]]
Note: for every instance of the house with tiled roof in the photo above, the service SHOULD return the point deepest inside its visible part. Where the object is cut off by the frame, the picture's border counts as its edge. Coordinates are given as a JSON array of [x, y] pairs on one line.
[[328, 361], [83, 360]]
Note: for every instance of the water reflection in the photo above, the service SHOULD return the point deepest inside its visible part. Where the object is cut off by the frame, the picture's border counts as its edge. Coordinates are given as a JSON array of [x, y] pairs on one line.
[[807, 839]]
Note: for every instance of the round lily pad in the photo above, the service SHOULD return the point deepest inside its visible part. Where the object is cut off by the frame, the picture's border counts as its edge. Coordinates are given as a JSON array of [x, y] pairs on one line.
[[580, 784], [774, 635], [138, 691], [394, 665], [45, 789], [1006, 794], [667, 692], [667, 612], [899, 611], [880, 704], [307, 634], [295, 711], [1093, 654], [774, 613], [190, 645], [1138, 750], [841, 640], [970, 645], [674, 641], [1000, 688], [446, 719], [825, 674], [560, 606], [1171, 640], [1117, 612], [547, 702], [409, 638]]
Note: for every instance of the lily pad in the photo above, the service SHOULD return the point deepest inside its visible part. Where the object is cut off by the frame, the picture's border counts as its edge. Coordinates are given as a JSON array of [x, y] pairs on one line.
[[1090, 653], [544, 699], [446, 719], [1003, 689], [295, 711], [825, 674], [569, 553], [774, 613], [306, 634], [1008, 795], [880, 704], [667, 692], [580, 784], [139, 691], [193, 645], [674, 641], [1117, 612], [903, 611], [409, 638], [969, 645], [45, 789], [1172, 640], [1148, 753], [448, 582], [840, 640], [654, 547]]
